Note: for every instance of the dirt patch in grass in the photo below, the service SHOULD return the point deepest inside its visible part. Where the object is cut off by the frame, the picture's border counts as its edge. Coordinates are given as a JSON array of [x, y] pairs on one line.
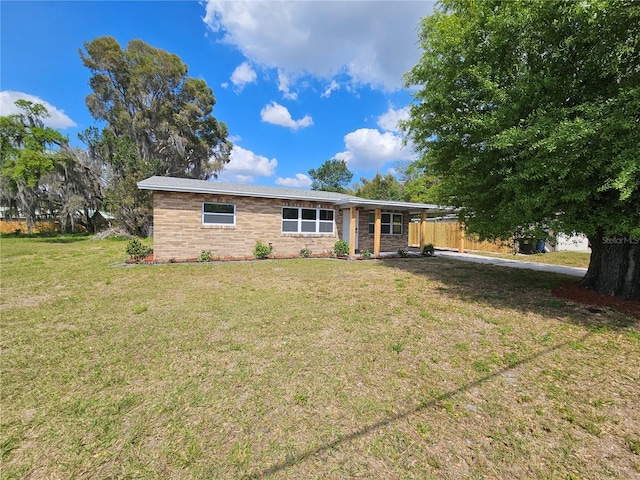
[[577, 294]]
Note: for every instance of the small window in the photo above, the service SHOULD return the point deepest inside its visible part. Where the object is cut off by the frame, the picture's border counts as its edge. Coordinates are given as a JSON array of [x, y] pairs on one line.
[[218, 214], [390, 223]]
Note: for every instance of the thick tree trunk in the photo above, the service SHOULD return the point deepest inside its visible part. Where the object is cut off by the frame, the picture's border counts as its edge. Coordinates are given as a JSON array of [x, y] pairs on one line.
[[614, 268]]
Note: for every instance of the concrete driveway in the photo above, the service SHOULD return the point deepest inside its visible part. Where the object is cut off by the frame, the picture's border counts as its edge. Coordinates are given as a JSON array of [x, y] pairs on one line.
[[503, 262]]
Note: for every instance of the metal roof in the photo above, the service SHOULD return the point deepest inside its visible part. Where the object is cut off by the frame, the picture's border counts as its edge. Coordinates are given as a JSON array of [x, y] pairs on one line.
[[186, 185]]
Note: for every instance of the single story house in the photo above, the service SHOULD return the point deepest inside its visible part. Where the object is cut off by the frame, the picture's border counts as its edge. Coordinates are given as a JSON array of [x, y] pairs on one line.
[[192, 216]]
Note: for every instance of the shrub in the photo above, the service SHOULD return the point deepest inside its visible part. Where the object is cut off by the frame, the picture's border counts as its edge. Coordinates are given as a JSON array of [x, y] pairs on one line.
[[137, 251], [365, 254], [305, 252], [428, 250], [261, 251], [341, 248], [403, 253], [205, 256]]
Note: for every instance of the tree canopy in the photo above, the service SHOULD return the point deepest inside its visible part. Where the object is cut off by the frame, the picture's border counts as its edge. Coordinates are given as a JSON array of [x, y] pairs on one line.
[[380, 187], [528, 113], [41, 175], [159, 121], [332, 176]]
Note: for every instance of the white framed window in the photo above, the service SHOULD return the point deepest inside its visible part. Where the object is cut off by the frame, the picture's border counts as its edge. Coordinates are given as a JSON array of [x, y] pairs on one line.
[[390, 223], [307, 220], [218, 214]]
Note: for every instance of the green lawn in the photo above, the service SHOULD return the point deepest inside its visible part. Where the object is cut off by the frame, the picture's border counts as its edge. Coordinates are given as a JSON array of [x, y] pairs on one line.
[[569, 259], [410, 368]]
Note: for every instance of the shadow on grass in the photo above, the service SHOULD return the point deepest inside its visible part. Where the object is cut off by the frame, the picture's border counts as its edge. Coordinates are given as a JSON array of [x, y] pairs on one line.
[[64, 238], [510, 288], [422, 406]]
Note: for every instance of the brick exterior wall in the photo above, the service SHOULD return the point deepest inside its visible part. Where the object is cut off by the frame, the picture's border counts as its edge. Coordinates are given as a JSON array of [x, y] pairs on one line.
[[388, 243], [178, 231]]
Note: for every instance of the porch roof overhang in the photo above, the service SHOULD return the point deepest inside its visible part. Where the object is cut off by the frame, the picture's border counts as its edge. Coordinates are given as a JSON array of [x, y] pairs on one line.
[[409, 207]]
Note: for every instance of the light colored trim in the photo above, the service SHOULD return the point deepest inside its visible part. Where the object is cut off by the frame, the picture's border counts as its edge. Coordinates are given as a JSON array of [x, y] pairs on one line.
[[390, 224], [299, 220]]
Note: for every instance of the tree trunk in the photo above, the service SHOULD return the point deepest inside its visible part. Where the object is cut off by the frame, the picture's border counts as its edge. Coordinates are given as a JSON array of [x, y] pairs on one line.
[[614, 268]]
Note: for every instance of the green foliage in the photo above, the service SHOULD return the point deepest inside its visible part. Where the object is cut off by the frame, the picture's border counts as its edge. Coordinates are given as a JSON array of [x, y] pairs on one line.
[[137, 251], [158, 122], [365, 254], [305, 252], [40, 173], [205, 256], [332, 176], [380, 187], [261, 251], [341, 248], [527, 114], [428, 250]]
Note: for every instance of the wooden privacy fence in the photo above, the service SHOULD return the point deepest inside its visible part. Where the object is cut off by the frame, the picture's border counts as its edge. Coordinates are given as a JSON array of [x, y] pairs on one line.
[[20, 226], [449, 235]]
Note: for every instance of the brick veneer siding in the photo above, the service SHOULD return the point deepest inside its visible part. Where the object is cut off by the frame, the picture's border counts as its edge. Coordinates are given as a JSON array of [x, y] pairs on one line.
[[388, 243], [178, 231]]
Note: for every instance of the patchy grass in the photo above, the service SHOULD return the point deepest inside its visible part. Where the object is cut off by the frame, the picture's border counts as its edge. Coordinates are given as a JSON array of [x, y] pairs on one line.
[[568, 259], [405, 368]]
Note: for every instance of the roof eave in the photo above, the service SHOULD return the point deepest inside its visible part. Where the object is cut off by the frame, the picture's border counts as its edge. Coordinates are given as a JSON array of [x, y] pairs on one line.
[[173, 188]]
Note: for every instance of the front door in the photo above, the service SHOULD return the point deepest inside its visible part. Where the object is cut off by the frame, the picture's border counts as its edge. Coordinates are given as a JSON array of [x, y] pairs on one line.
[[346, 225]]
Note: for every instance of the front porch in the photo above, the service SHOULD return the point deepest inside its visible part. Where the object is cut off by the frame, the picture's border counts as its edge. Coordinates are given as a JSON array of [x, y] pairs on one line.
[[382, 227]]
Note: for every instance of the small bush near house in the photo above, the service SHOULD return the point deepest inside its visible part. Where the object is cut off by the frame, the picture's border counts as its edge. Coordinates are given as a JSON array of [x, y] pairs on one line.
[[428, 250], [341, 248], [365, 254], [137, 251], [205, 256], [403, 253], [305, 252], [261, 251]]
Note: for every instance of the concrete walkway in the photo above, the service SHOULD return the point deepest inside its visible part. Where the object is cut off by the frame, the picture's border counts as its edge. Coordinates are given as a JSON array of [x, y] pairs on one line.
[[503, 262]]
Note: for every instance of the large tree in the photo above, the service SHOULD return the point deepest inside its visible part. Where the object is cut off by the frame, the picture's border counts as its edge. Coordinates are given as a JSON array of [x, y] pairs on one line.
[[332, 176], [158, 115], [42, 176], [28, 151], [529, 114]]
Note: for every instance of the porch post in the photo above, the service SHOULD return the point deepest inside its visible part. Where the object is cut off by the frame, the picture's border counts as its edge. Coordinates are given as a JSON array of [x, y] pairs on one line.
[[352, 233], [423, 230], [377, 231]]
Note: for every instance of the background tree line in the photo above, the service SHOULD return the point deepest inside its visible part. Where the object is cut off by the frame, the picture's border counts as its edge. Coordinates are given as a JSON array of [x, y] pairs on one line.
[[156, 121]]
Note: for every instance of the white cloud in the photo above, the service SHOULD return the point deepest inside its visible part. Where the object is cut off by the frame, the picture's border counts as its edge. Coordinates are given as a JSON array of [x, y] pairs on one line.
[[333, 86], [300, 180], [279, 115], [242, 75], [368, 149], [57, 118], [283, 86], [388, 121], [372, 42], [244, 166]]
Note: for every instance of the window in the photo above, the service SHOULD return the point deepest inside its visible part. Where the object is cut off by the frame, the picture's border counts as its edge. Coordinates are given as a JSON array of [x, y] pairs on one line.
[[218, 214], [390, 223], [307, 220]]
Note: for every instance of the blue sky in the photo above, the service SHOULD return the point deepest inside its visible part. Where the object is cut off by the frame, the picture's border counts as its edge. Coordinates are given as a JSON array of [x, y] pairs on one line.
[[297, 83]]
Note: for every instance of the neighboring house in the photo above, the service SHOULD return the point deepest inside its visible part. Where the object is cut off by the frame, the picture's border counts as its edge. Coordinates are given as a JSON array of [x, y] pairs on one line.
[[576, 242], [191, 216]]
